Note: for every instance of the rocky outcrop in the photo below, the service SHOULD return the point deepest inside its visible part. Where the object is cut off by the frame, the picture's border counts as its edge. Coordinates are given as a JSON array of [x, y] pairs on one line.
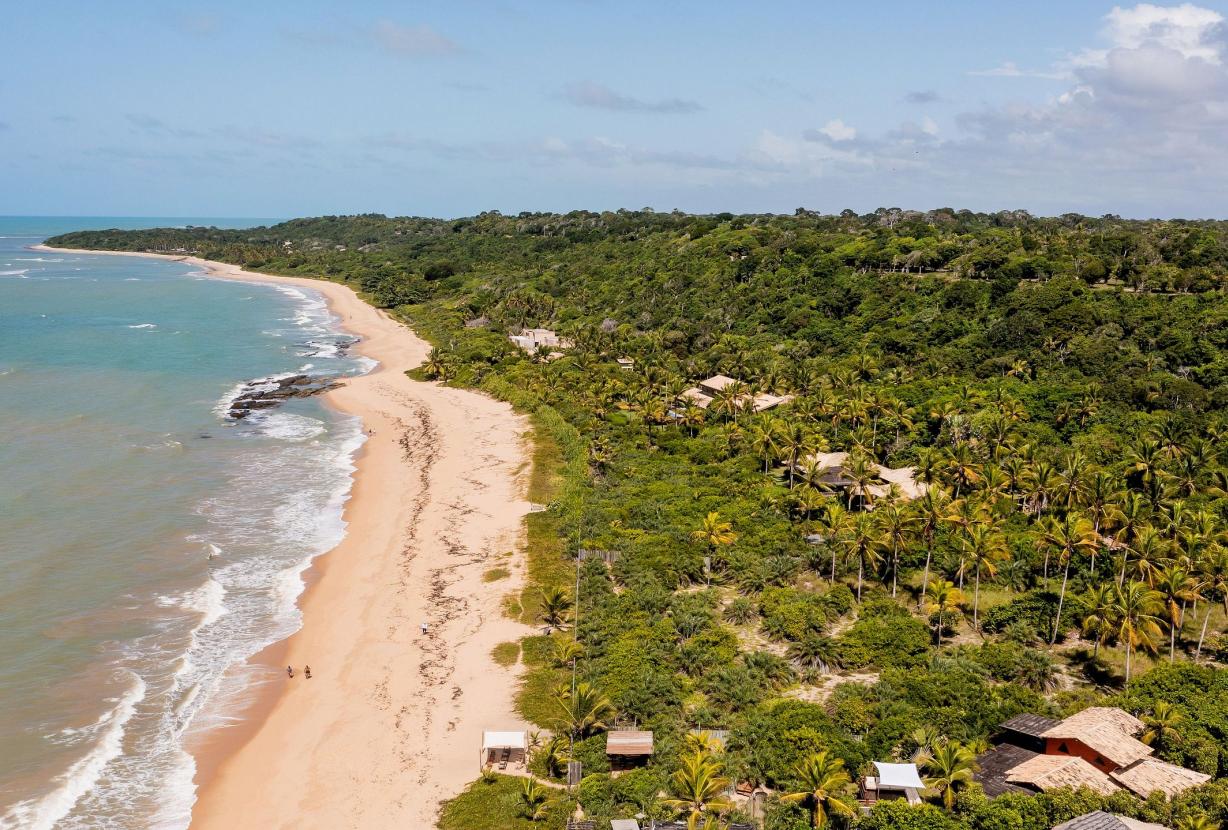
[[266, 393]]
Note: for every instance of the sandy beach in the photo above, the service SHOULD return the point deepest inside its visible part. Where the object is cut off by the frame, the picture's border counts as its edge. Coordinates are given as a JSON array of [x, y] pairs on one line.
[[390, 724]]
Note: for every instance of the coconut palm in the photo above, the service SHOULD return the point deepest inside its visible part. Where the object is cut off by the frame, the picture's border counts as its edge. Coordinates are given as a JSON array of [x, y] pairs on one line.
[[931, 513], [584, 710], [862, 543], [1071, 535], [715, 533], [1199, 821], [1101, 614], [834, 523], [1150, 548], [763, 436], [796, 442], [950, 769], [897, 528], [1176, 588], [984, 547], [534, 800], [822, 783], [564, 652], [942, 597], [697, 786], [1162, 725], [1136, 607], [555, 605]]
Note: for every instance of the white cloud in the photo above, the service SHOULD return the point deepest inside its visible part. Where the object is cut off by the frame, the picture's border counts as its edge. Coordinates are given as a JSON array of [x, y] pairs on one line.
[[1009, 69], [414, 41], [600, 96], [837, 130], [1189, 30]]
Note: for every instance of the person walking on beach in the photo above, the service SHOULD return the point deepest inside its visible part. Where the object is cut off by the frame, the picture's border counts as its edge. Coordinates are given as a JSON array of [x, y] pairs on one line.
[[423, 629], [307, 672], [289, 671]]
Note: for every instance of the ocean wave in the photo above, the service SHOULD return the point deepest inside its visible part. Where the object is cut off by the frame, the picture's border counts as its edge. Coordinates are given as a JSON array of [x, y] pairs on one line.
[[36, 259], [107, 734], [16, 272], [144, 326], [290, 427]]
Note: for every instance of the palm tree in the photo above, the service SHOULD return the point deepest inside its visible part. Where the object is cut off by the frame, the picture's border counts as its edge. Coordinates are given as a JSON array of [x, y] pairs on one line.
[[795, 443], [942, 597], [815, 651], [763, 437], [1214, 572], [1199, 821], [564, 652], [822, 783], [985, 547], [1067, 537], [897, 528], [950, 769], [863, 542], [963, 468], [697, 785], [534, 800], [554, 607], [715, 533], [1137, 624], [931, 513], [834, 523], [584, 710], [1101, 614], [1150, 549], [1176, 588], [1163, 725]]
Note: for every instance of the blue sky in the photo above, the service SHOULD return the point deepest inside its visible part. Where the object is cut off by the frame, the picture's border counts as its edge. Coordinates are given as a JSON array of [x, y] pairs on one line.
[[446, 109]]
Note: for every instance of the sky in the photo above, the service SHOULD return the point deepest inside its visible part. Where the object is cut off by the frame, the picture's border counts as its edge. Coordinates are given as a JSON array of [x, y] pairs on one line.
[[219, 108]]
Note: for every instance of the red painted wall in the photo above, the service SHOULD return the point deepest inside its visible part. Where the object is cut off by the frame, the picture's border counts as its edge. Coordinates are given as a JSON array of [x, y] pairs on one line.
[[1069, 746]]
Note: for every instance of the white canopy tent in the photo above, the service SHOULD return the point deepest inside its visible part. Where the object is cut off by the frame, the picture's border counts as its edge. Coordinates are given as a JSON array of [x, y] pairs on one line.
[[899, 776], [504, 740], [502, 747], [893, 781]]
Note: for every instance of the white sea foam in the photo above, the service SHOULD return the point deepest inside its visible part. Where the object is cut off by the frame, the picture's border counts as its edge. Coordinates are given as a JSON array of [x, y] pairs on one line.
[[36, 259], [281, 505], [291, 427], [107, 736], [144, 326], [16, 272]]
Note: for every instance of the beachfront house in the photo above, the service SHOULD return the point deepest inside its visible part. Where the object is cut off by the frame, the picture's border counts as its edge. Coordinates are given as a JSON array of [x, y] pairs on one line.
[[628, 747], [706, 391], [1096, 748], [1100, 820], [533, 340], [833, 473]]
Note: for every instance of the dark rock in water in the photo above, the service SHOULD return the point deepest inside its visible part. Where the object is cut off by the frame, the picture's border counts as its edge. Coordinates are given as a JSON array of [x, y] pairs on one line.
[[266, 393]]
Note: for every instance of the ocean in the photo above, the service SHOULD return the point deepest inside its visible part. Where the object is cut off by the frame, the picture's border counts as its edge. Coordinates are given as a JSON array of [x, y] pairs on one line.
[[148, 543]]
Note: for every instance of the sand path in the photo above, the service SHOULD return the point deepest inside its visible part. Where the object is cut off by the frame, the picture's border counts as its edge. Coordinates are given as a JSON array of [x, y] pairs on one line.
[[390, 724]]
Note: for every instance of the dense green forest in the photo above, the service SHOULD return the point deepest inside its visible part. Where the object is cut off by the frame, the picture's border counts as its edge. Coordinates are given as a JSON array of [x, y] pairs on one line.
[[1057, 384]]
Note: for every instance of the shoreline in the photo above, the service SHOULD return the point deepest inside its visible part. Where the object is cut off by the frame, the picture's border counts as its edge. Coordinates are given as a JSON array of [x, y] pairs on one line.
[[390, 724]]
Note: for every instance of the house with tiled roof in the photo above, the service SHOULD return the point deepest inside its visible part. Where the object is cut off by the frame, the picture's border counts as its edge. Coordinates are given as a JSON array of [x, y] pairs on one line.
[[1100, 820], [1095, 748], [1101, 735]]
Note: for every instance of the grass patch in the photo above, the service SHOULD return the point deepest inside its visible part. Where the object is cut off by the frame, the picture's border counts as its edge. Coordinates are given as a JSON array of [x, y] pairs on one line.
[[506, 654], [496, 806], [495, 574], [535, 694]]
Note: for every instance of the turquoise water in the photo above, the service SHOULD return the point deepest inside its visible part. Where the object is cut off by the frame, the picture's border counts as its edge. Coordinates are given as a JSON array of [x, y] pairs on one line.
[[148, 545]]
